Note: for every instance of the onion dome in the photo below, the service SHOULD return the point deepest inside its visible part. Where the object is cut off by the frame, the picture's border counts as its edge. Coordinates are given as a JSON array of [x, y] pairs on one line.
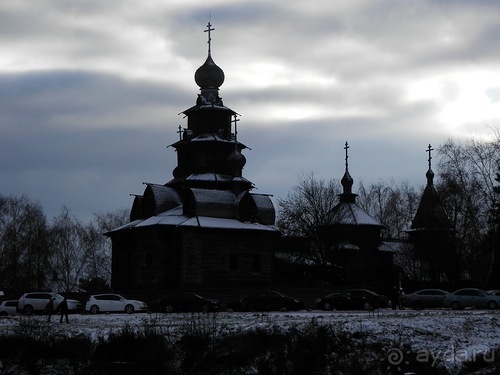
[[430, 177], [209, 75], [177, 172], [347, 182], [236, 161]]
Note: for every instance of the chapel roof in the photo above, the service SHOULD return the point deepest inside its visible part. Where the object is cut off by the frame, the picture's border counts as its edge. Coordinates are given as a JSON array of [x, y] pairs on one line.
[[347, 212], [431, 213]]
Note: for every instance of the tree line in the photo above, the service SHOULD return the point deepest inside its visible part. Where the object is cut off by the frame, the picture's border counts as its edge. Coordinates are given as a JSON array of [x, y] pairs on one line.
[[467, 179], [65, 255], [68, 255]]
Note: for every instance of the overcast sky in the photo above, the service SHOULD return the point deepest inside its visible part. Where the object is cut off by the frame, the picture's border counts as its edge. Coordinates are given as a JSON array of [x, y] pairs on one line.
[[90, 91]]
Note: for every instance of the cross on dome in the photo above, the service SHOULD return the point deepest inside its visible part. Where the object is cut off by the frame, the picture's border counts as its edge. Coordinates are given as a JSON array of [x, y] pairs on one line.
[[208, 30], [346, 147], [235, 120], [347, 181], [430, 173], [180, 132], [429, 149], [209, 77]]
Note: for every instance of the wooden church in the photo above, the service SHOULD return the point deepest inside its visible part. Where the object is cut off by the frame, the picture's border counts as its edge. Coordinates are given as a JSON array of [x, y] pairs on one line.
[[205, 227], [353, 242], [433, 237]]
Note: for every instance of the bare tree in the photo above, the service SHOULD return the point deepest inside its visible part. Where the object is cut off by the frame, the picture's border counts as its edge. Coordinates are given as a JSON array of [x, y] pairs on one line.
[[494, 234], [24, 250], [393, 206], [98, 247], [305, 209], [68, 243], [467, 173]]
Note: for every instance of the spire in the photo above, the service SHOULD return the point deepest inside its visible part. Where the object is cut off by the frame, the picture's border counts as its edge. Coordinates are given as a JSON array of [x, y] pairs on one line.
[[347, 181], [430, 173], [430, 212]]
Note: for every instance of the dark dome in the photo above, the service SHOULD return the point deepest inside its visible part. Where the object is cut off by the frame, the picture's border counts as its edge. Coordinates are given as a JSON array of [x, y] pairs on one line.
[[209, 75], [236, 159], [430, 177], [347, 181], [429, 174]]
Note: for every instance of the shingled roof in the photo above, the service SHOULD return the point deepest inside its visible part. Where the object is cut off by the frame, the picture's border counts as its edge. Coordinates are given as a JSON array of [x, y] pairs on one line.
[[431, 213]]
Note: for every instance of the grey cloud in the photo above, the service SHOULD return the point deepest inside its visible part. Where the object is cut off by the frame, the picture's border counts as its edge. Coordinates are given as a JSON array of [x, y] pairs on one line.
[[87, 138], [61, 131]]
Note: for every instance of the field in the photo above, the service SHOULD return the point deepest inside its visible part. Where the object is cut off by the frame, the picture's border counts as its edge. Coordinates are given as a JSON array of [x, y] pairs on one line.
[[443, 339]]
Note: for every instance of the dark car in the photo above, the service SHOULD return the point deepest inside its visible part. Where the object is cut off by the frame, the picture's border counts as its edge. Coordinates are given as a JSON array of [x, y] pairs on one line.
[[425, 298], [186, 302], [471, 297], [352, 299], [270, 300]]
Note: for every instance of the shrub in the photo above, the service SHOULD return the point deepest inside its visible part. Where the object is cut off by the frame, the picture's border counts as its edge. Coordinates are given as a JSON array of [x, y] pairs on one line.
[[139, 352]]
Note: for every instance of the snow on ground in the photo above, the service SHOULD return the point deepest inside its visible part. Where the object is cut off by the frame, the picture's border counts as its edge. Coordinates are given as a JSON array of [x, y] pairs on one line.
[[445, 336]]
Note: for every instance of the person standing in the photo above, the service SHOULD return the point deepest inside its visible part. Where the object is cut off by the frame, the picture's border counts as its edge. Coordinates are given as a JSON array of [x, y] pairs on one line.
[[394, 295], [63, 308], [401, 297], [49, 308]]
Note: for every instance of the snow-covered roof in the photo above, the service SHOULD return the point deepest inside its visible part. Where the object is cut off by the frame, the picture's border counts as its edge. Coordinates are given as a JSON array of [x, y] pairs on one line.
[[394, 246], [208, 106], [175, 217], [352, 214], [208, 208]]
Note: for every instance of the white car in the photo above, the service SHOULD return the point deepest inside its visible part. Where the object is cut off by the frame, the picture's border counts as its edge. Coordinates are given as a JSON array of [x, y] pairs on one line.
[[8, 307], [35, 302], [113, 303]]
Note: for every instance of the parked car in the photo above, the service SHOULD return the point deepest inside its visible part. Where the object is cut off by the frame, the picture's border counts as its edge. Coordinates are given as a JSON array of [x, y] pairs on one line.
[[113, 303], [35, 302], [425, 298], [471, 297], [270, 300], [186, 302], [8, 307], [352, 299], [495, 292]]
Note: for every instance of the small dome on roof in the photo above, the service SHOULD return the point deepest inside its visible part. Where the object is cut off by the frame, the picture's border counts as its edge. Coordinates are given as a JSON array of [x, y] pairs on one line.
[[347, 181], [236, 159], [209, 75], [430, 177]]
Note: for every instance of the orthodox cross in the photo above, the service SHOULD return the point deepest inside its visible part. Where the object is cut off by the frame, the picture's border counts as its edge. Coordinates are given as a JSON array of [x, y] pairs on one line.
[[235, 120], [209, 29], [429, 149], [180, 132], [346, 156]]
